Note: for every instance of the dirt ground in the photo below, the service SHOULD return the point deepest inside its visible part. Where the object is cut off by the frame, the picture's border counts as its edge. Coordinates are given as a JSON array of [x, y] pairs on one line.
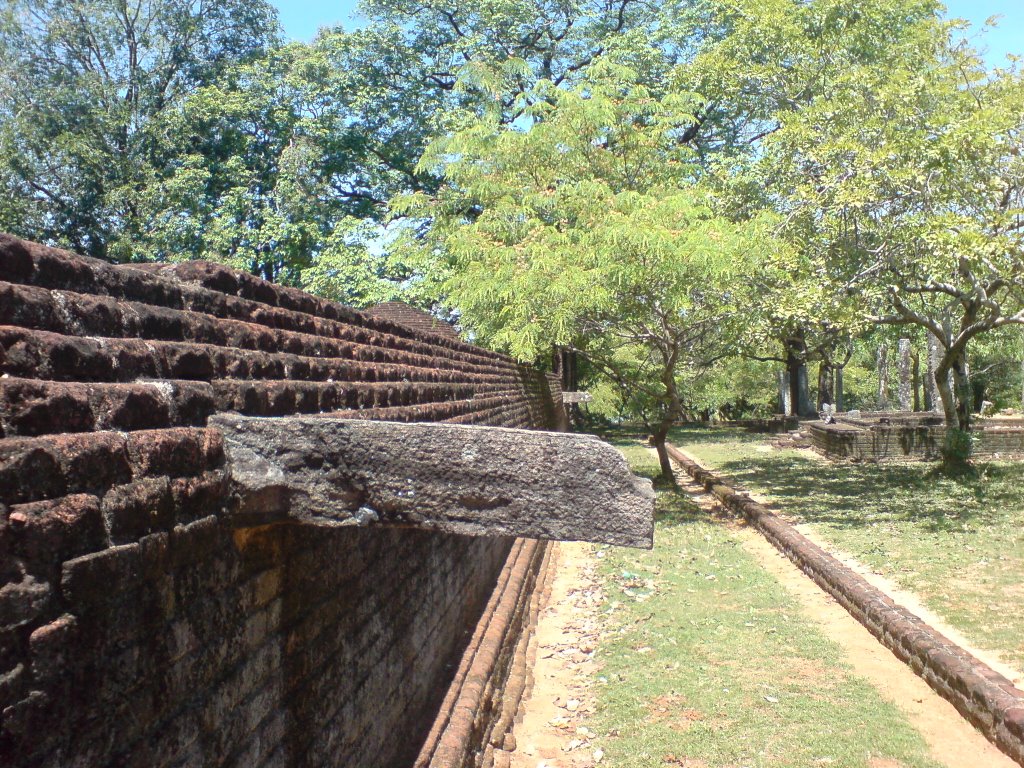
[[553, 732]]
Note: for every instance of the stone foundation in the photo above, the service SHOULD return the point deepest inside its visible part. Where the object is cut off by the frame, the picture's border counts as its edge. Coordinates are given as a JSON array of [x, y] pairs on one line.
[[909, 435]]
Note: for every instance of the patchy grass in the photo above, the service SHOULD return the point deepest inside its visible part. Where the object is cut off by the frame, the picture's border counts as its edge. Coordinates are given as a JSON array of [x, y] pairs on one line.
[[708, 662], [957, 543]]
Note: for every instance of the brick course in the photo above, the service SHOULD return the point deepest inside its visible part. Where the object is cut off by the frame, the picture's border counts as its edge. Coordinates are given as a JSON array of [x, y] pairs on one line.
[[138, 630], [869, 441]]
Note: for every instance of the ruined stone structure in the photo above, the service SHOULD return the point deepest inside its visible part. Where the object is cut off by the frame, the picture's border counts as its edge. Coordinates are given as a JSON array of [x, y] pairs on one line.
[[876, 436], [137, 628]]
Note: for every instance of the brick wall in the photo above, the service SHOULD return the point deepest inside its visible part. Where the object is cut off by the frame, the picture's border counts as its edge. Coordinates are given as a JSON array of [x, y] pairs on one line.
[[135, 629], [410, 317]]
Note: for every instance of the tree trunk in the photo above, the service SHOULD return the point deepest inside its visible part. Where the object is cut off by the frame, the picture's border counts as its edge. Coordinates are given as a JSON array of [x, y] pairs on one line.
[[568, 367], [962, 383], [658, 439], [839, 387], [882, 368], [826, 384], [951, 382], [796, 366]]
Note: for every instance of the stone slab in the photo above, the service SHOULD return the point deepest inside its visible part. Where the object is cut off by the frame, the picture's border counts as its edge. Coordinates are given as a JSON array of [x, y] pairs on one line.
[[473, 480]]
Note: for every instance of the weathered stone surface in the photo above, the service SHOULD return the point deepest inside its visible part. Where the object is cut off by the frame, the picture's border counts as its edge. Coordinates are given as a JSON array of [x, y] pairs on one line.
[[905, 383], [481, 481]]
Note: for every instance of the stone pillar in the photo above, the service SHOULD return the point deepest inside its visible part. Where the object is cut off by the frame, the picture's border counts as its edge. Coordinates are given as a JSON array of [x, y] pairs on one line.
[[803, 405], [785, 401], [934, 401], [882, 367], [904, 386]]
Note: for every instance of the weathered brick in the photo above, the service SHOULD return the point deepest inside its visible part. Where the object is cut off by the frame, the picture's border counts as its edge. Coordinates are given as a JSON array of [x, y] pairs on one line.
[[293, 627], [98, 576], [23, 601], [138, 508], [178, 452], [52, 647], [45, 533]]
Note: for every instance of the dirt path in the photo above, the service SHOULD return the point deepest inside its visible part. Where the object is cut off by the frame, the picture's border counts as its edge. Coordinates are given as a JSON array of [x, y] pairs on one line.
[[552, 732], [912, 603], [952, 740]]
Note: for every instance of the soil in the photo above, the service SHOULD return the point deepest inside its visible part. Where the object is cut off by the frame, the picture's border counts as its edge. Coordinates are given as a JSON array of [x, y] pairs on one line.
[[901, 596], [912, 603], [552, 731]]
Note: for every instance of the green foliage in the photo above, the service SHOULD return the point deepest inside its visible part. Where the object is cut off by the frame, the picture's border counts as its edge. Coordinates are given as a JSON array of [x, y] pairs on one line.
[[82, 89], [662, 186], [589, 227], [903, 181]]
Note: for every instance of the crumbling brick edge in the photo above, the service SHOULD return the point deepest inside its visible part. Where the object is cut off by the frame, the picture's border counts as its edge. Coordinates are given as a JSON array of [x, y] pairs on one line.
[[983, 696], [474, 723]]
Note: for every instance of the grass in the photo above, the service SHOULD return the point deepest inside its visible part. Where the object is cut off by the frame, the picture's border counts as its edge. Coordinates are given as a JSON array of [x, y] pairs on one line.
[[957, 543], [708, 661]]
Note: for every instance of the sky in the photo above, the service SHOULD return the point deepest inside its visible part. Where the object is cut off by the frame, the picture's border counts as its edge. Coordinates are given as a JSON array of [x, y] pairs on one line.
[[302, 18]]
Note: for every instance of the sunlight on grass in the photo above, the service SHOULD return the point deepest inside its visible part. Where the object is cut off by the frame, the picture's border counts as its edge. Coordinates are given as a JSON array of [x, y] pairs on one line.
[[709, 662], [956, 543]]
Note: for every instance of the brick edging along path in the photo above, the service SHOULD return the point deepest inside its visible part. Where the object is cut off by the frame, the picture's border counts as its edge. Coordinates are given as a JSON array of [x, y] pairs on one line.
[[986, 698], [484, 695]]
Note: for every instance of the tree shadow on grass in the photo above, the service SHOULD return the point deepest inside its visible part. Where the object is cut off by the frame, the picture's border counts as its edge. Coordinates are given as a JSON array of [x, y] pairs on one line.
[[852, 495], [674, 508]]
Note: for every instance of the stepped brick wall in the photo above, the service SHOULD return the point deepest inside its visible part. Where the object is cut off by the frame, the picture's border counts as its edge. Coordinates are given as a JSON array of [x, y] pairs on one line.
[[410, 317], [136, 629]]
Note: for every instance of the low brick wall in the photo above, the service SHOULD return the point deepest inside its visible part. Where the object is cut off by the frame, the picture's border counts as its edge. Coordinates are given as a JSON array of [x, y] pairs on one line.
[[986, 698], [475, 721], [136, 629], [847, 439]]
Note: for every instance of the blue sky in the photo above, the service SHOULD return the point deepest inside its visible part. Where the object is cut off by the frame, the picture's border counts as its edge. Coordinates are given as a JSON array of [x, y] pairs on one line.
[[302, 18]]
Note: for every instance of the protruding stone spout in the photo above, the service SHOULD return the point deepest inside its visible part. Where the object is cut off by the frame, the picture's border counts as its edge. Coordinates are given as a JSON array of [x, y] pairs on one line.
[[480, 481]]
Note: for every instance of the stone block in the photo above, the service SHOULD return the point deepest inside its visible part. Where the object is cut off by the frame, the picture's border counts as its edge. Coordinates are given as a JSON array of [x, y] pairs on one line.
[[481, 481]]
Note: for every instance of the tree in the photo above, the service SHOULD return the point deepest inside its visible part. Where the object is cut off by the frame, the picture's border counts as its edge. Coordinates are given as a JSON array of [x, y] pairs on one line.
[[588, 227], [771, 62], [82, 85], [908, 184]]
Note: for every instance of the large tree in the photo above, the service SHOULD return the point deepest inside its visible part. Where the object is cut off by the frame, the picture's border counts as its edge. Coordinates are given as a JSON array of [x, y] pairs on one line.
[[587, 226], [907, 184], [83, 85]]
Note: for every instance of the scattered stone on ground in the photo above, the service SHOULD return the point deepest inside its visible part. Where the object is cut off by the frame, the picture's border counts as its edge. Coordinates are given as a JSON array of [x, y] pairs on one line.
[[553, 730]]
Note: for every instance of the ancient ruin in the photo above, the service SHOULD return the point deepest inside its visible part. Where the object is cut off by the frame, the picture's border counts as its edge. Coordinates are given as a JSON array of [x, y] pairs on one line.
[[879, 435], [163, 602]]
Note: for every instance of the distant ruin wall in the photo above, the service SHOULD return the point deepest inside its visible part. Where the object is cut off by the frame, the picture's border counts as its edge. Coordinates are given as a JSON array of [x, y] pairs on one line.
[[908, 435], [135, 628]]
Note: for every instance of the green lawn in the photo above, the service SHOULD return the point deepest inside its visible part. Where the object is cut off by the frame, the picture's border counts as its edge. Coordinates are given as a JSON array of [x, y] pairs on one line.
[[956, 543], [708, 661]]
